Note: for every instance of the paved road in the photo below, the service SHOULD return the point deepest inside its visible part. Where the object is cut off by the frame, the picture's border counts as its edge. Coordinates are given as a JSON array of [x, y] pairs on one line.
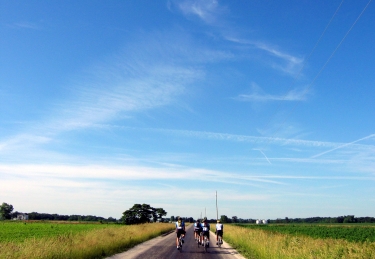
[[164, 247]]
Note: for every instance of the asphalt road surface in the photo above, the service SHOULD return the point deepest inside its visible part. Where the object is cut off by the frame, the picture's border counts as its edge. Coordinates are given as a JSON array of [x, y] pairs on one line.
[[164, 247]]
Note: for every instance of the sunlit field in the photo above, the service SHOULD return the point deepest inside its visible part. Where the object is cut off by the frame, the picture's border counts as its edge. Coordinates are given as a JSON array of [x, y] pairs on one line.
[[257, 243], [51, 240]]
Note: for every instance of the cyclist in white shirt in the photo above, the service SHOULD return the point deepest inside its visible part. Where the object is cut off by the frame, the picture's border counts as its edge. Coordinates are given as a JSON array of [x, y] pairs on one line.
[[205, 229], [180, 230], [219, 230]]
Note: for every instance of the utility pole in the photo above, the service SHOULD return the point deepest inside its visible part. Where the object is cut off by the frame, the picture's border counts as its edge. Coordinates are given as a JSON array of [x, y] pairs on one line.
[[217, 211]]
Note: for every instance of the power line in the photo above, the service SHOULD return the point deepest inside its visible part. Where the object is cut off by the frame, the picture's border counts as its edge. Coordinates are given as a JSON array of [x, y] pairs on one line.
[[325, 64], [307, 59]]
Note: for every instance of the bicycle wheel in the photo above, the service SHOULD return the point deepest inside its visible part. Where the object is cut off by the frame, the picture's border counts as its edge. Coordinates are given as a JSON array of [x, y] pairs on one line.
[[219, 242], [205, 244]]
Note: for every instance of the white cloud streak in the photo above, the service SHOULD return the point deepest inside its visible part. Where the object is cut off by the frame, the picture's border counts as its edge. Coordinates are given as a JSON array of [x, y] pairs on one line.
[[344, 145], [25, 25], [289, 64], [264, 156], [206, 10], [258, 96]]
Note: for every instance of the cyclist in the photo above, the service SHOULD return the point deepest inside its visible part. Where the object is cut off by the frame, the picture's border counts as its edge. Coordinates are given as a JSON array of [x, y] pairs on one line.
[[219, 231], [205, 230], [180, 230], [197, 230]]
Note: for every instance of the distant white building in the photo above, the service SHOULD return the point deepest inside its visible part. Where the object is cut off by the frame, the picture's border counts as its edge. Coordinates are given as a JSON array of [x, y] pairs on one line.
[[22, 216], [261, 221]]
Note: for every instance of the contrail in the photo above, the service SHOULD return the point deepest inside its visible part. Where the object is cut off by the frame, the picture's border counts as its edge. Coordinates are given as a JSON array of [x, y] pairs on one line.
[[347, 144], [264, 155]]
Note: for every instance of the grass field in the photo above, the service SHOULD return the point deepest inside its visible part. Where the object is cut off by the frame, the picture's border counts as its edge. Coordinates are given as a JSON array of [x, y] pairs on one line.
[[16, 231], [51, 240], [256, 242], [349, 232]]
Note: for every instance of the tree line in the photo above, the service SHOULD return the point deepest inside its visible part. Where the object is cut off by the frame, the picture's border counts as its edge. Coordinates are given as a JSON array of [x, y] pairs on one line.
[[144, 213], [333, 220], [47, 216], [339, 219], [6, 212]]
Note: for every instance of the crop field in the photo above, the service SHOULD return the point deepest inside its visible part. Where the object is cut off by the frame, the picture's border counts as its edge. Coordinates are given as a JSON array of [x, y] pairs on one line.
[[350, 232], [276, 241], [71, 240], [15, 231]]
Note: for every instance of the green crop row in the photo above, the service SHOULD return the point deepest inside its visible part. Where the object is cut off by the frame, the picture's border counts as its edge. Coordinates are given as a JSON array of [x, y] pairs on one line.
[[351, 233], [94, 241], [21, 231]]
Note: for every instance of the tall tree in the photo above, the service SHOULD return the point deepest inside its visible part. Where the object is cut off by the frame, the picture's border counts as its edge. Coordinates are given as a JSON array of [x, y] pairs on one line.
[[141, 213], [161, 212], [5, 210], [224, 219]]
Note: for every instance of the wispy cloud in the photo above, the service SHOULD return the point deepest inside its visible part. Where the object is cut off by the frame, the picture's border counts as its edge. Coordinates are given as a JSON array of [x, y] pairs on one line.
[[251, 139], [264, 155], [211, 12], [22, 140], [258, 95], [206, 10], [93, 173], [26, 25], [344, 145], [137, 79], [283, 61]]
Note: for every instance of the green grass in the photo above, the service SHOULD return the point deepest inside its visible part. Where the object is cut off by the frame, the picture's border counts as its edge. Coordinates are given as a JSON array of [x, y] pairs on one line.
[[254, 241], [44, 240], [15, 231], [350, 232]]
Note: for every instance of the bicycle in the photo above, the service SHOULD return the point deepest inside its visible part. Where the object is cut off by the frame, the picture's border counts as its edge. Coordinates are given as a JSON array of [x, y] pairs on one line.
[[197, 237], [219, 241], [180, 243], [206, 243]]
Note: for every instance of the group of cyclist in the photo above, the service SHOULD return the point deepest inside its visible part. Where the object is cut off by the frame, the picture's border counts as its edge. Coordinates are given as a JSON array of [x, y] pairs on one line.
[[201, 229]]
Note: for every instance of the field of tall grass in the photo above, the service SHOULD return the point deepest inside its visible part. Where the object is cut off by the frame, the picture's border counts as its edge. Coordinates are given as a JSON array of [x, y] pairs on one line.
[[94, 243], [260, 244]]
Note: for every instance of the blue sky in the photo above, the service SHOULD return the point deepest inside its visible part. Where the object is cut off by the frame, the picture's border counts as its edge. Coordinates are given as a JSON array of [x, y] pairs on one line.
[[105, 104]]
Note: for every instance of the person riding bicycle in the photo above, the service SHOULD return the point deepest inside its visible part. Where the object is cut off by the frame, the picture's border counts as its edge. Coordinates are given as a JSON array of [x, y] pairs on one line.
[[205, 230], [180, 230], [197, 229], [219, 231]]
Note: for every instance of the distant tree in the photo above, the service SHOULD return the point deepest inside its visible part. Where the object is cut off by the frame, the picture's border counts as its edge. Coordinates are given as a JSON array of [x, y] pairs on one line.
[[141, 214], [340, 219], [235, 219], [172, 218], [161, 212], [349, 219], [5, 210], [224, 219], [110, 219]]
